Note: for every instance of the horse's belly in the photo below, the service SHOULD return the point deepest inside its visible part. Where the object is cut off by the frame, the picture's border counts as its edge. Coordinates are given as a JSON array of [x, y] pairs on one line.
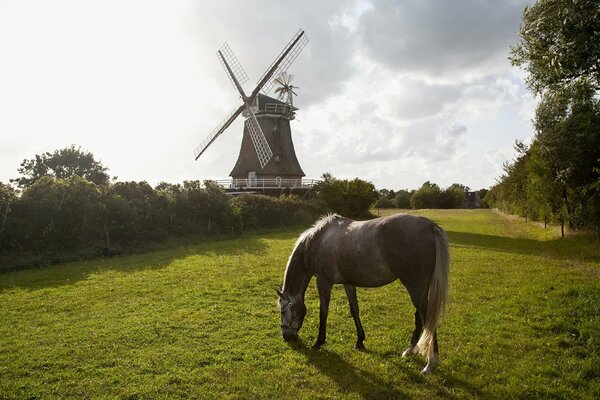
[[373, 275]]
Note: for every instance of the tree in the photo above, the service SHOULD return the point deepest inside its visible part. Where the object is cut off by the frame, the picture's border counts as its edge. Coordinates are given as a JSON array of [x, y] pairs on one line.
[[568, 145], [402, 199], [350, 198], [560, 44], [428, 196], [453, 196], [62, 164], [7, 195]]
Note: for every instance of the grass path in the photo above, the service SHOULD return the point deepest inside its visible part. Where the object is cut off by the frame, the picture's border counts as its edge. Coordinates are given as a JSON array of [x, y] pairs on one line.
[[200, 321]]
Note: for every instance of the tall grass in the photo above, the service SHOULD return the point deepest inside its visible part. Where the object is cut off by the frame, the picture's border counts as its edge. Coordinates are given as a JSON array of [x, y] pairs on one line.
[[200, 321]]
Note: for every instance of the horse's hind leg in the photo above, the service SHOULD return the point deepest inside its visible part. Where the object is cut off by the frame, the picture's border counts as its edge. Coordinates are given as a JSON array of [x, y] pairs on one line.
[[353, 300], [412, 349]]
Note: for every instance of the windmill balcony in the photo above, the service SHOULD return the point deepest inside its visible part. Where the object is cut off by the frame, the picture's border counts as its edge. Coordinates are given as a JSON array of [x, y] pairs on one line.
[[266, 183]]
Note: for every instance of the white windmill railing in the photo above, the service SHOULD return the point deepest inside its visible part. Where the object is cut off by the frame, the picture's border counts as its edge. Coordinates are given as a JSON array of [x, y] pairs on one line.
[[267, 183]]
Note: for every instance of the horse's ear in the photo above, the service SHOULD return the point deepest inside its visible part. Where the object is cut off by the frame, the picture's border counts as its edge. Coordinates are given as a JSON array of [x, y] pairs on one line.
[[279, 293]]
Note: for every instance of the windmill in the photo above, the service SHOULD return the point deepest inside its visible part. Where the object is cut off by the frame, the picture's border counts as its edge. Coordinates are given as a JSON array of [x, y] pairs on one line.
[[267, 150]]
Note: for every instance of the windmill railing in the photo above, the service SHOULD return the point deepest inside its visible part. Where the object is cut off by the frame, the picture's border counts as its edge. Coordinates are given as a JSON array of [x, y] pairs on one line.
[[275, 108], [267, 183]]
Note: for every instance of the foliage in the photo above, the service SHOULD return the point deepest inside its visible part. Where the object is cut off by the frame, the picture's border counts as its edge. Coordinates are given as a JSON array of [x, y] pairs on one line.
[[58, 218], [350, 198], [453, 196], [384, 202], [200, 321], [62, 164], [402, 199], [560, 44], [555, 178], [429, 195]]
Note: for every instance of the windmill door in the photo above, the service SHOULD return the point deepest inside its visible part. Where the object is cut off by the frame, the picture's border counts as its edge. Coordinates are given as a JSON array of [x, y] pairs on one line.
[[252, 179]]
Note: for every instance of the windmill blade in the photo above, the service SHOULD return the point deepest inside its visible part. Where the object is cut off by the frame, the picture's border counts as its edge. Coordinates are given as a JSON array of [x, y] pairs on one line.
[[282, 62], [279, 81], [263, 151], [232, 66], [217, 131]]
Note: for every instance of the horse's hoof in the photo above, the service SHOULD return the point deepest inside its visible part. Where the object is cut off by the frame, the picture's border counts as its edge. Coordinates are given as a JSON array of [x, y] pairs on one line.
[[359, 346], [411, 351], [432, 363], [317, 346]]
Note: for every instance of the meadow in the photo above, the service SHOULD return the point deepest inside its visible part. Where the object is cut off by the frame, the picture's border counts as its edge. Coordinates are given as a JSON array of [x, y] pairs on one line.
[[199, 320]]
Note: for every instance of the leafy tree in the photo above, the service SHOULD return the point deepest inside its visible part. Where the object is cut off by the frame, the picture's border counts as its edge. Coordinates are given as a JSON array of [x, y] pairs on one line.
[[560, 43], [62, 164], [568, 145], [7, 199], [350, 198], [402, 199], [428, 196], [453, 196]]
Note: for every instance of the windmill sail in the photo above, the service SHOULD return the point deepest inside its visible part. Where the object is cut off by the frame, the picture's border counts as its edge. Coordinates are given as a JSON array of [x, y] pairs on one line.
[[283, 61], [217, 131], [263, 151], [230, 63]]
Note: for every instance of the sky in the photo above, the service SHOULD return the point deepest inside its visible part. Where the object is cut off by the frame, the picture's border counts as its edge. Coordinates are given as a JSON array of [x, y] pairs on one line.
[[393, 92]]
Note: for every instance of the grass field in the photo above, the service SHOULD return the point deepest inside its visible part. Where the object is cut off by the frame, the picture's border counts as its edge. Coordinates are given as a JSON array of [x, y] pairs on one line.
[[200, 321]]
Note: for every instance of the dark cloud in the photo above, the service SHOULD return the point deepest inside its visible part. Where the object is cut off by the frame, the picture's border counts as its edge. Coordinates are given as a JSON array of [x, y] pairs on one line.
[[440, 37]]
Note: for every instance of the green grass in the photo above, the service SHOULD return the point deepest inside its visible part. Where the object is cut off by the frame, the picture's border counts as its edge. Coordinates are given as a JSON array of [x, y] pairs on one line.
[[200, 321]]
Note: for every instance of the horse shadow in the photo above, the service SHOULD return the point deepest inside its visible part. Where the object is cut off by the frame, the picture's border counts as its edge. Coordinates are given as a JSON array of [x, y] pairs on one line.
[[347, 377], [351, 379], [556, 248]]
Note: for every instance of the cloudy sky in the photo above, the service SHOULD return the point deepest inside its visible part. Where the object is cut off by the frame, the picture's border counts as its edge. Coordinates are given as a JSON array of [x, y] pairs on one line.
[[394, 92]]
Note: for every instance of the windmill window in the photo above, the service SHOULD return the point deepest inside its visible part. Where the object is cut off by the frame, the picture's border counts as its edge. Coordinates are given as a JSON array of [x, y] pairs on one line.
[[278, 181], [276, 157]]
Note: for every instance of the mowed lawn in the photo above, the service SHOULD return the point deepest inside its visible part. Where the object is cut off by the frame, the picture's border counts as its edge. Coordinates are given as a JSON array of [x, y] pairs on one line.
[[200, 321]]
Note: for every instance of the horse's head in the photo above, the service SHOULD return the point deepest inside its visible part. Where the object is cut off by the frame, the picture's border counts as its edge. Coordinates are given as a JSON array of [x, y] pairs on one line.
[[292, 316]]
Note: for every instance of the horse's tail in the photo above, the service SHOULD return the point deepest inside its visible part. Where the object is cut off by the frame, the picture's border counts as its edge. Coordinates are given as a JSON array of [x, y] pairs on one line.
[[438, 291]]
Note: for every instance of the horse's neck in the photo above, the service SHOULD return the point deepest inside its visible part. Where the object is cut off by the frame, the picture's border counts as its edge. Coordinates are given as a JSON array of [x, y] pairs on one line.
[[297, 276]]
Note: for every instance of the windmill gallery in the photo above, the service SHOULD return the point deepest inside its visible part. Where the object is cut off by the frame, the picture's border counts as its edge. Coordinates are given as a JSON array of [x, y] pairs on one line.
[[267, 161]]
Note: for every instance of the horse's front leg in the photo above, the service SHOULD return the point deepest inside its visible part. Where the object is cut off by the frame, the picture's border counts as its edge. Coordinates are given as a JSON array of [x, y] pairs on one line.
[[353, 300], [324, 296]]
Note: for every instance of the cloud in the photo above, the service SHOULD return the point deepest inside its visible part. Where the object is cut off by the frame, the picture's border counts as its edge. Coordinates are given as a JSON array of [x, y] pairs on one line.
[[394, 92], [442, 39]]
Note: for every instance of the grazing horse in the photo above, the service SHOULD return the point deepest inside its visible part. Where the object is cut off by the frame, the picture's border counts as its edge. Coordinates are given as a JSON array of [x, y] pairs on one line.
[[370, 254]]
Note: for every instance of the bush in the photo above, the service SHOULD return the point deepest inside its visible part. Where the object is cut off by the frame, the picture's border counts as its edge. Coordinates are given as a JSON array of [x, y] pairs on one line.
[[350, 198]]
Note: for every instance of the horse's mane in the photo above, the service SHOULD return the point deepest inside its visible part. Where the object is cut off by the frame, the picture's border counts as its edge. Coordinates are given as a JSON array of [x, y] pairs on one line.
[[306, 237], [317, 227]]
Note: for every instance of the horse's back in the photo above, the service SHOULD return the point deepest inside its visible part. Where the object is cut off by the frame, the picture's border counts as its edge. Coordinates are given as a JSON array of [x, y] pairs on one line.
[[379, 251]]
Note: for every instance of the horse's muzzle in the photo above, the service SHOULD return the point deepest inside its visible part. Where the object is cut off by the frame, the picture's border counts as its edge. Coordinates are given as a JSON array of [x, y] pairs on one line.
[[289, 334]]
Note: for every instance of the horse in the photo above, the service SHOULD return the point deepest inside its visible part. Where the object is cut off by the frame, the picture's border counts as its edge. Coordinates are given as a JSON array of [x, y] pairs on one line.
[[373, 253]]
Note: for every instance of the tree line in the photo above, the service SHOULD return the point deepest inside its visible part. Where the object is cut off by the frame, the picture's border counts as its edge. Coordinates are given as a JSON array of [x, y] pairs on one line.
[[64, 205], [557, 176], [430, 195]]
